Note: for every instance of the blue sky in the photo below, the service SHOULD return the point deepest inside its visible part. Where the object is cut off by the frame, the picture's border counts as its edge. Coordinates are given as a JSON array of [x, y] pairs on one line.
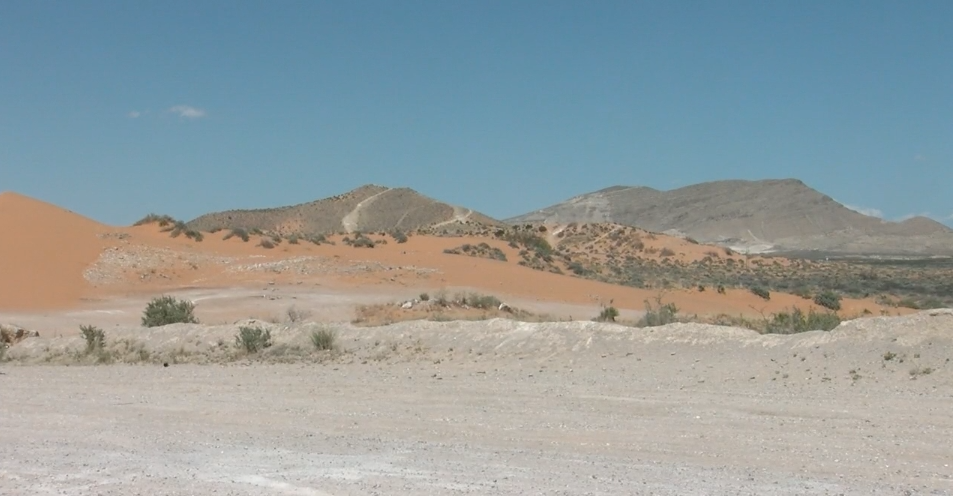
[[115, 109]]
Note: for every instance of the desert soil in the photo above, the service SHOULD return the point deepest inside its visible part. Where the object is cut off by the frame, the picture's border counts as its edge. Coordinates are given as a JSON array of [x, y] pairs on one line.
[[495, 407]]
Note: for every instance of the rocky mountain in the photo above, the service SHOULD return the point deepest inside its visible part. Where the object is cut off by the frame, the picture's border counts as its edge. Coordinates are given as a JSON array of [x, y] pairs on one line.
[[369, 208], [780, 215]]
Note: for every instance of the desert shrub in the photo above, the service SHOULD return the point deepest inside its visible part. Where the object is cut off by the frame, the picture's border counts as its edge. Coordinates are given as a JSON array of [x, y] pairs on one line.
[[162, 220], [931, 303], [238, 233], [363, 242], [721, 289], [266, 243], [293, 239], [531, 242], [166, 310], [908, 303], [253, 339], [828, 299], [399, 237], [94, 336], [424, 297], [578, 269], [691, 240], [760, 292], [608, 314], [318, 239], [803, 292], [797, 321], [658, 315], [297, 315], [323, 339], [194, 235], [484, 302], [497, 254], [177, 228]]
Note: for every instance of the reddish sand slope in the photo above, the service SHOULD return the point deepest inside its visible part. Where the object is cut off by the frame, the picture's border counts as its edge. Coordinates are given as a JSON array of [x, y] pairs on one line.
[[43, 253], [53, 259]]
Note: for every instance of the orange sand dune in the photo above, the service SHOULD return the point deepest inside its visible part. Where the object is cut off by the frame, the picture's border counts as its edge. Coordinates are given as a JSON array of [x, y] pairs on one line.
[[49, 249], [43, 254], [502, 279]]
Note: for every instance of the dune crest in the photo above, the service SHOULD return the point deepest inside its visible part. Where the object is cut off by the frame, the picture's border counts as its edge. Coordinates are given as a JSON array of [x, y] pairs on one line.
[[45, 250]]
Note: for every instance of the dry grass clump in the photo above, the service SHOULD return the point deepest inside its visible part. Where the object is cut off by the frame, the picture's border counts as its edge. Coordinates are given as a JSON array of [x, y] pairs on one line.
[[296, 314], [252, 339], [482, 250], [324, 339], [440, 308]]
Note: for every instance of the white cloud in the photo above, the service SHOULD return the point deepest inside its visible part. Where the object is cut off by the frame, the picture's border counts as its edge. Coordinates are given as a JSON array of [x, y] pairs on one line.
[[870, 212], [134, 114], [188, 112]]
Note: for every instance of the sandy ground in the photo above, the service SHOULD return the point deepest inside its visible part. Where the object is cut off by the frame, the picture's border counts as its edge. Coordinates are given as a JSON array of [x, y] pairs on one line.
[[62, 263], [494, 407]]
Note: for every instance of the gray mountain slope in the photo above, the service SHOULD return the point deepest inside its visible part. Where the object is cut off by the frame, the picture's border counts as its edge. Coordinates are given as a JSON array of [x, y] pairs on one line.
[[775, 214], [369, 208]]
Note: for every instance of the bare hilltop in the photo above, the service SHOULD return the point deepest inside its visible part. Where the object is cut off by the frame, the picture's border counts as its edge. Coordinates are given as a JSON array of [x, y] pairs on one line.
[[777, 215], [369, 208]]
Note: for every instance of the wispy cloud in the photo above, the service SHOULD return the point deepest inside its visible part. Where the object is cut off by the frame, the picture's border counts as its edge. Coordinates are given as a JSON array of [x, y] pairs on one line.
[[870, 212], [134, 114], [188, 112]]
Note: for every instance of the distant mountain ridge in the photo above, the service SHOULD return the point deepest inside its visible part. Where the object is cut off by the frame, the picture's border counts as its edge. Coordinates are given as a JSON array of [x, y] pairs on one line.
[[763, 215], [369, 208]]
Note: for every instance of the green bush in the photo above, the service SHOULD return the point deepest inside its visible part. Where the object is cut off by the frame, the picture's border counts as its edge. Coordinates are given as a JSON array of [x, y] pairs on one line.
[[399, 236], [162, 220], [166, 310], [828, 299], [177, 228], [659, 315], [94, 336], [484, 302], [908, 303], [323, 339], [608, 314], [761, 292], [797, 321], [803, 292], [253, 339], [239, 233], [363, 242]]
